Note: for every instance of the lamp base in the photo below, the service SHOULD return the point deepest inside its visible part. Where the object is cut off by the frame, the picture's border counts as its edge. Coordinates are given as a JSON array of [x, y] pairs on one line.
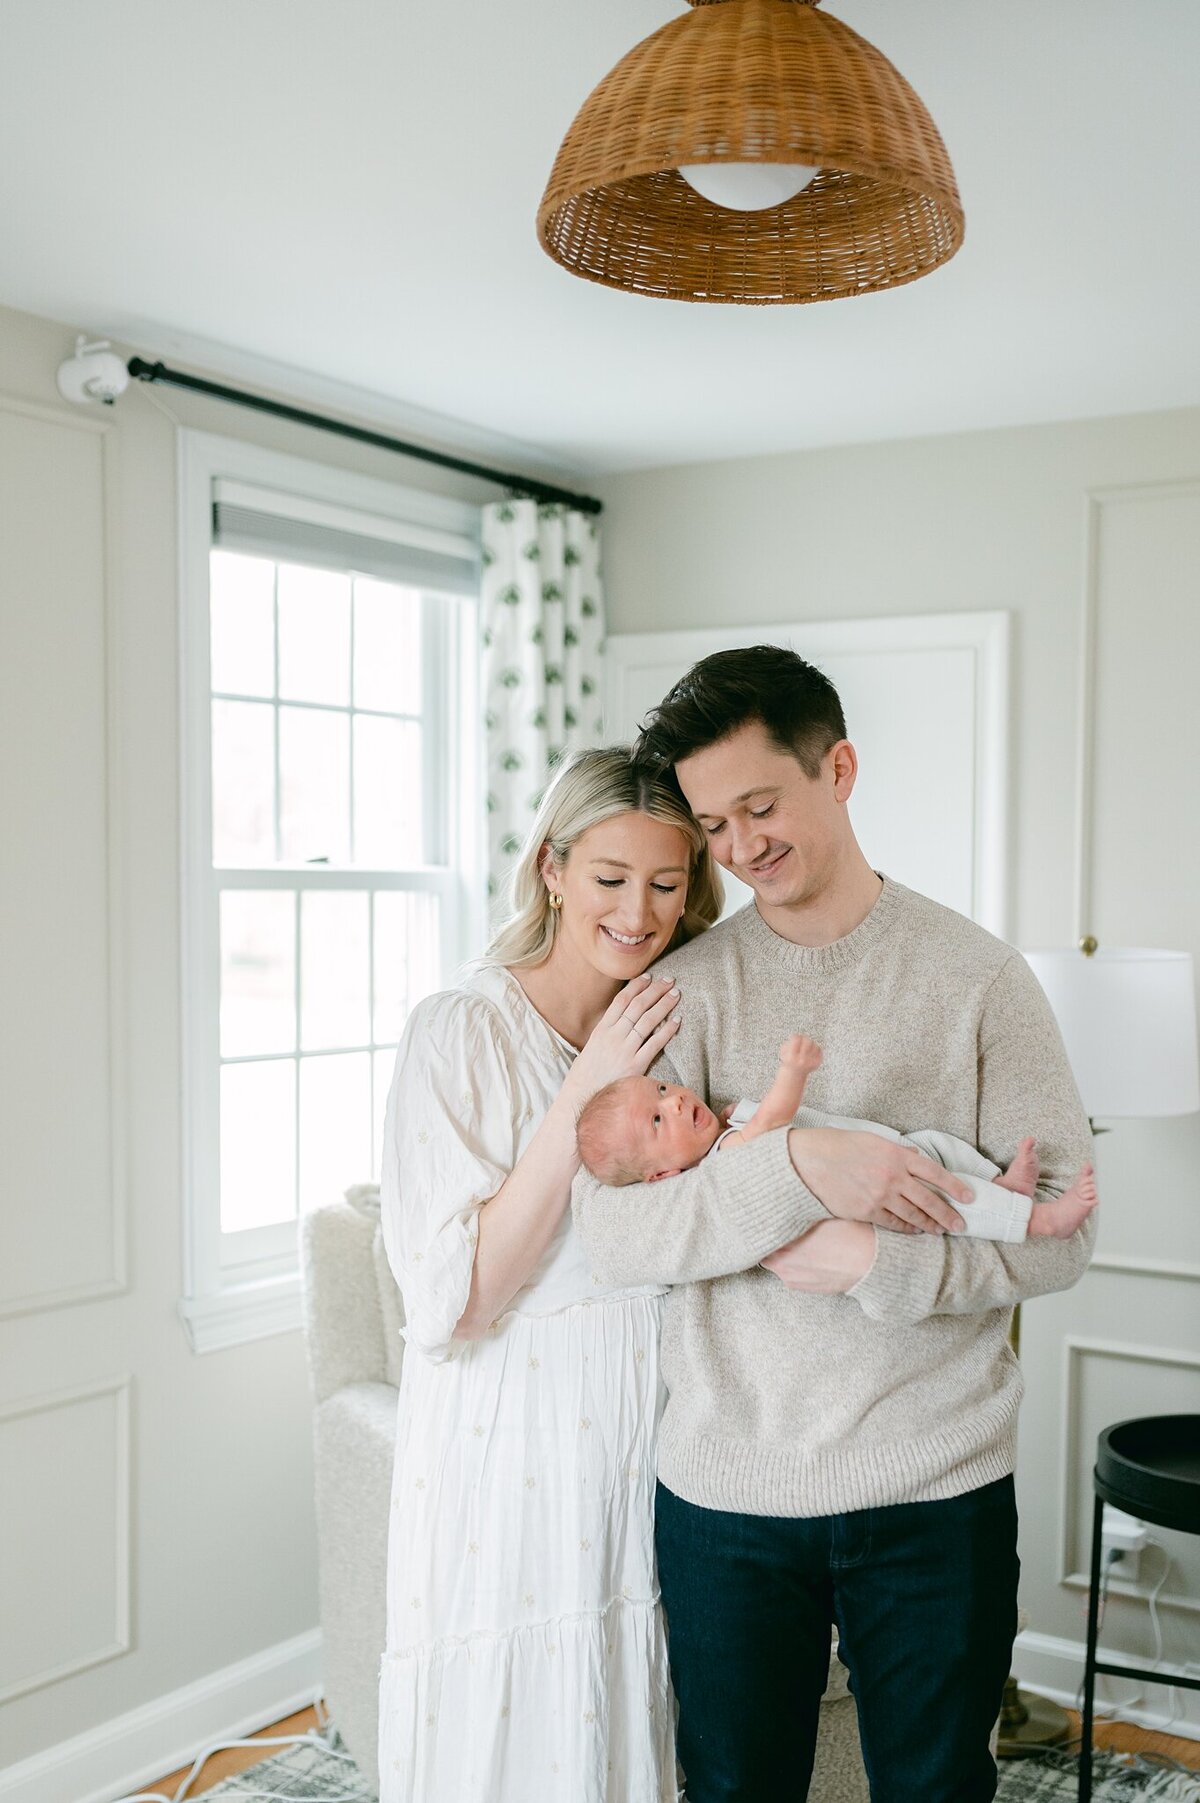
[[1029, 1722]]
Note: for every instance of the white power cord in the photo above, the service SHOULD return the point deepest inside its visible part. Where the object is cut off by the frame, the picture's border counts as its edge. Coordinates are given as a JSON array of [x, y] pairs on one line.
[[1112, 1559], [1173, 1696], [317, 1736]]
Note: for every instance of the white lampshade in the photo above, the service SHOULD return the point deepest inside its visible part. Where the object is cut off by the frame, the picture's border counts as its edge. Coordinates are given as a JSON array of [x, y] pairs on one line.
[[1128, 1017]]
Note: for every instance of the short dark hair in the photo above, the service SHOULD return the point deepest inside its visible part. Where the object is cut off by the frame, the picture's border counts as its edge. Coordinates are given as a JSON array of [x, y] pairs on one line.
[[795, 702]]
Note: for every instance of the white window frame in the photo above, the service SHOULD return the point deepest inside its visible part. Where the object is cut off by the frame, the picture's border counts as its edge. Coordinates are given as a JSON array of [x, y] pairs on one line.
[[224, 1303]]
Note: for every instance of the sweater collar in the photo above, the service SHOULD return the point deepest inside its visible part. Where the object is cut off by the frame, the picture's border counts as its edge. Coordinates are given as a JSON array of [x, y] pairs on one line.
[[843, 952]]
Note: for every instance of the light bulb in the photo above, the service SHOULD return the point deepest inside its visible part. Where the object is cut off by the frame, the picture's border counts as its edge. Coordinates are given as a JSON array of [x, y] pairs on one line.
[[748, 187]]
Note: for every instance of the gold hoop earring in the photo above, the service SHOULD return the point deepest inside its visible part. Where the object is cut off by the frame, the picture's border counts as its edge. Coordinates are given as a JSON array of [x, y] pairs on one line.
[[556, 902]]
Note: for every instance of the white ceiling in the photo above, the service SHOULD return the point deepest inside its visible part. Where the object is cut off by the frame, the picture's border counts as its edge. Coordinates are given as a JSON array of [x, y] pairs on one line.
[[348, 187]]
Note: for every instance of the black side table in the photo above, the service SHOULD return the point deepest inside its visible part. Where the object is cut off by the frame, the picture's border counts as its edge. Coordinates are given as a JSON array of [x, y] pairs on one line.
[[1150, 1468]]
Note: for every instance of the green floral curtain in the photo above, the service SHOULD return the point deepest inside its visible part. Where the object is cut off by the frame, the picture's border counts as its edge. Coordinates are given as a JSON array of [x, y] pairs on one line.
[[543, 640]]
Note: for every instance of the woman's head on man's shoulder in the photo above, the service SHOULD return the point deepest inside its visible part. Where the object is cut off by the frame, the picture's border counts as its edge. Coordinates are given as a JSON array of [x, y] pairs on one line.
[[615, 860]]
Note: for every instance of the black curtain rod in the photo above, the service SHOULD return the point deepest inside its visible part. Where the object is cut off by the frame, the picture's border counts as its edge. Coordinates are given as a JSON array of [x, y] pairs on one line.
[[522, 485]]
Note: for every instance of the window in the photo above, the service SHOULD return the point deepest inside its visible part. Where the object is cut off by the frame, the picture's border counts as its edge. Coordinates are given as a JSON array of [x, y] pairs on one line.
[[331, 875]]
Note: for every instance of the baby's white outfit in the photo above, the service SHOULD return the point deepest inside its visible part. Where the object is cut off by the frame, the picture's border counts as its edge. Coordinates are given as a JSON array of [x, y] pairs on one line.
[[995, 1213]]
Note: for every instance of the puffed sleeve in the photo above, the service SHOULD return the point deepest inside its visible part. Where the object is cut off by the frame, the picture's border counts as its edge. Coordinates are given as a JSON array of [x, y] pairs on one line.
[[447, 1149]]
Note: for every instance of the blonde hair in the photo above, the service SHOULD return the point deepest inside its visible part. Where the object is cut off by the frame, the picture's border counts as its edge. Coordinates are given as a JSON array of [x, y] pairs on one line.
[[594, 786], [597, 1131]]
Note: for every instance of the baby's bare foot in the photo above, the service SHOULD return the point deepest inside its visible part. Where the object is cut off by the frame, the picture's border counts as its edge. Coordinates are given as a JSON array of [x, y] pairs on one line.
[[1022, 1173], [800, 1053], [1062, 1217]]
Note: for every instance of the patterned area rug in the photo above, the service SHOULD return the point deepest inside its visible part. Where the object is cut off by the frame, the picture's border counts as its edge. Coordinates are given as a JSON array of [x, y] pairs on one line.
[[1054, 1778], [313, 1772]]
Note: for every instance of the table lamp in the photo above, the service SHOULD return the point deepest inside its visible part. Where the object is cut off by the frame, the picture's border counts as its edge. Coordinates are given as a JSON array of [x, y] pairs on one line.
[[1128, 1019]]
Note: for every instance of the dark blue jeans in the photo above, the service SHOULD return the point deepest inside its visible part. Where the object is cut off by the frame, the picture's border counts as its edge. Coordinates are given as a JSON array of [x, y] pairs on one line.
[[925, 1599]]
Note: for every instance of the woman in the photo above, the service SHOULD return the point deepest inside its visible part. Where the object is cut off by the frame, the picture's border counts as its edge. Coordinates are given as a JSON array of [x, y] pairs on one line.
[[525, 1656]]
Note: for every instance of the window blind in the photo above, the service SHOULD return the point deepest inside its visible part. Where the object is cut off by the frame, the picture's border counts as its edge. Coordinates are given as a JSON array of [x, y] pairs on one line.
[[295, 530]]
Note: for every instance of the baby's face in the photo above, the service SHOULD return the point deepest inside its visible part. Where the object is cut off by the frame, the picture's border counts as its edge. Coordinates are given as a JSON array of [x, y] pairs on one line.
[[668, 1129]]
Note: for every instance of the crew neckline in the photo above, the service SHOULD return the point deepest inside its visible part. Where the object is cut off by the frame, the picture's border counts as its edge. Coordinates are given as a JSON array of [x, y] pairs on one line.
[[841, 953]]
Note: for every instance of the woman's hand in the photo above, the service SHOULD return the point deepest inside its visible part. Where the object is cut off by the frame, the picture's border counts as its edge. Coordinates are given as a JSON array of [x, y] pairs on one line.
[[864, 1177], [627, 1039]]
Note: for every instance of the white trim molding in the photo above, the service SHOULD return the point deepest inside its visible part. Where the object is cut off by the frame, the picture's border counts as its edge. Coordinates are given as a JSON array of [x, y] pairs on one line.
[[121, 1640], [1053, 1667], [244, 1311], [1134, 1266], [119, 1757]]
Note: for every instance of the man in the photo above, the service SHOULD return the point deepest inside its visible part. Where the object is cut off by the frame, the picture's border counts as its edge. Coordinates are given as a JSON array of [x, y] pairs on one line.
[[845, 1454]]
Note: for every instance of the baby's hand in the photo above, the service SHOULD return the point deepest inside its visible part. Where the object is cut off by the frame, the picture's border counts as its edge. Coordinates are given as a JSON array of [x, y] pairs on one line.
[[800, 1053]]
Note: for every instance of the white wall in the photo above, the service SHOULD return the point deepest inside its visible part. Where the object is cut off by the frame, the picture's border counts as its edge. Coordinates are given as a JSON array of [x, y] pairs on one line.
[[215, 1449], [998, 520]]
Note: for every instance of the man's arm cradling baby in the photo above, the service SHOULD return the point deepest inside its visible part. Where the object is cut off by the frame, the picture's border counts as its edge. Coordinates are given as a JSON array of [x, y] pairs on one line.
[[642, 1129]]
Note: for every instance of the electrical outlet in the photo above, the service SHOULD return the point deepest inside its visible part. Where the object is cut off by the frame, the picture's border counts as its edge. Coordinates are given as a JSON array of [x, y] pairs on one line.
[[1123, 1543]]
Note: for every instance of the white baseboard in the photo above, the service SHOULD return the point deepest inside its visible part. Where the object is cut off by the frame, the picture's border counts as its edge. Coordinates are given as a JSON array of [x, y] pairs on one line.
[[120, 1757], [1054, 1668]]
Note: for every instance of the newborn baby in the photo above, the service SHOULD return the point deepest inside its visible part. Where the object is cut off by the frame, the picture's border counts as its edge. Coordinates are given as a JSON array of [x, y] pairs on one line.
[[638, 1129]]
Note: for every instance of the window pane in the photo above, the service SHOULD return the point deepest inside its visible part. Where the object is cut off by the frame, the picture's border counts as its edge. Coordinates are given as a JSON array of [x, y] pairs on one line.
[[242, 593], [385, 1064], [314, 779], [335, 1126], [258, 1144], [243, 782], [334, 971], [387, 793], [387, 647], [314, 634], [407, 958], [258, 945]]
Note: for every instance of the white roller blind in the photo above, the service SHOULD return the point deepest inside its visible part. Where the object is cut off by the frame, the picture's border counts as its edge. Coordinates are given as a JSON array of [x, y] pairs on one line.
[[278, 526]]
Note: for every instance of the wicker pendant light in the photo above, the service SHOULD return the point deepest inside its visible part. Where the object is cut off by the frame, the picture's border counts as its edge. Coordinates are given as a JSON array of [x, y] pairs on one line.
[[752, 82]]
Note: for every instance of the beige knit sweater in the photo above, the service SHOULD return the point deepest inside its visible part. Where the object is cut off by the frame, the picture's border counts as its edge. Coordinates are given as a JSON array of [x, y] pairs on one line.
[[905, 1389]]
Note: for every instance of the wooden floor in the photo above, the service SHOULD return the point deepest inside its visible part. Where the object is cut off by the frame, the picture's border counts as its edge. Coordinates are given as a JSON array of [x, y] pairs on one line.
[[236, 1759], [1118, 1736], [1123, 1737]]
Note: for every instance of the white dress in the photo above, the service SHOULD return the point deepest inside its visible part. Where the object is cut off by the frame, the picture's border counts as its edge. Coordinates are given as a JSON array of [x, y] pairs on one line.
[[526, 1658]]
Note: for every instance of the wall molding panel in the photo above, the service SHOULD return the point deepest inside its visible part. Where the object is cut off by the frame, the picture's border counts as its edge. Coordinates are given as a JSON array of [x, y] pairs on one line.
[[43, 1594], [1072, 1563], [1132, 1266], [1096, 503], [110, 1182]]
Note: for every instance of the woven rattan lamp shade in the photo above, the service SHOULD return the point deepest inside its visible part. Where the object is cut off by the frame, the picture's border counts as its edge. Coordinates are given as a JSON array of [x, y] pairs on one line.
[[752, 81]]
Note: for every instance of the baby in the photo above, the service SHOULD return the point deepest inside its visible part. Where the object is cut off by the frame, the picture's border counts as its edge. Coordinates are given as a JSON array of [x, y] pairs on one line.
[[638, 1129]]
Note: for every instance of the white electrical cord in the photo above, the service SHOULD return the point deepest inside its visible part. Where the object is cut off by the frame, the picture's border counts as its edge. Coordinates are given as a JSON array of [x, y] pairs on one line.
[[318, 1737], [1174, 1700], [1173, 1697]]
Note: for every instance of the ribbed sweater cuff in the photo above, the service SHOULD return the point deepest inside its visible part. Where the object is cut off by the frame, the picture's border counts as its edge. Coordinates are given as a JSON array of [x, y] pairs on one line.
[[904, 1281], [765, 1196]]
